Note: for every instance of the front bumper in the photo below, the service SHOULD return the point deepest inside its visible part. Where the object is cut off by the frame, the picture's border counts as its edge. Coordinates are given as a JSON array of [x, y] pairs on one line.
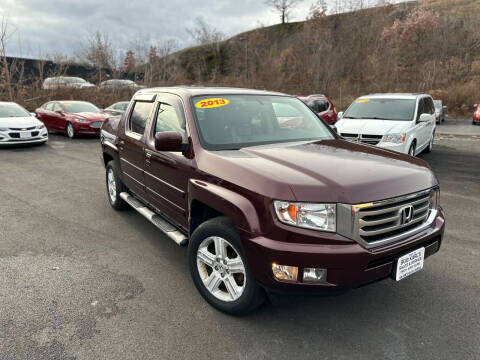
[[12, 137], [349, 264], [86, 129], [402, 148]]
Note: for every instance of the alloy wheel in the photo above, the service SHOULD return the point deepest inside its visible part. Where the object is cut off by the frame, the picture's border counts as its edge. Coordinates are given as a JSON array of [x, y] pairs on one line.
[[112, 186], [70, 130], [221, 269]]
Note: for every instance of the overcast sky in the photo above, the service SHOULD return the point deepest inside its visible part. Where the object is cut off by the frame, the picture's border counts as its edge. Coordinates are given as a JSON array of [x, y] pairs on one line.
[[47, 27]]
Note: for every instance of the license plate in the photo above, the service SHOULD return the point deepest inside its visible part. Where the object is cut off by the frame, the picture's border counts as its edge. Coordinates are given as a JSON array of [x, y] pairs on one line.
[[24, 135], [408, 264]]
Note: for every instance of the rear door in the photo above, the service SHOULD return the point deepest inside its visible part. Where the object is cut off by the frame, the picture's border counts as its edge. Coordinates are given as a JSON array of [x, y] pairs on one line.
[[167, 173], [132, 144]]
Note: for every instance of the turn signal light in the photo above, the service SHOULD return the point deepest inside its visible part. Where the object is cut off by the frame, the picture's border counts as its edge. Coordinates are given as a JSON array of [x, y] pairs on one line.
[[284, 272]]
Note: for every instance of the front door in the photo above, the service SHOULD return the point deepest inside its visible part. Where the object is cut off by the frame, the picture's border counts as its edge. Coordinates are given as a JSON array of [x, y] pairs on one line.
[[132, 147], [167, 173]]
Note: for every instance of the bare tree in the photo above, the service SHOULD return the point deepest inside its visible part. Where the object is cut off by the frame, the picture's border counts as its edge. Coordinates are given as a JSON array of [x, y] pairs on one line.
[[284, 7], [5, 74], [98, 51], [203, 33]]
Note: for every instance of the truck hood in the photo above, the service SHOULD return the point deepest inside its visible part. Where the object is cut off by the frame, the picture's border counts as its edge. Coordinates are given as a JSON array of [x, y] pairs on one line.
[[371, 127], [323, 171], [19, 122]]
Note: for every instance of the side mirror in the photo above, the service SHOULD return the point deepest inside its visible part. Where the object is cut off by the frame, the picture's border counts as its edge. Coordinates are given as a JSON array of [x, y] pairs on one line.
[[425, 118], [168, 141], [445, 107], [475, 106], [33, 114], [340, 115], [59, 111]]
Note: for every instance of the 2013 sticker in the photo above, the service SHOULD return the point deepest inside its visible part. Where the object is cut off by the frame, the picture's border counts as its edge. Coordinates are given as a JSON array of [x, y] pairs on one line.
[[361, 101], [211, 103]]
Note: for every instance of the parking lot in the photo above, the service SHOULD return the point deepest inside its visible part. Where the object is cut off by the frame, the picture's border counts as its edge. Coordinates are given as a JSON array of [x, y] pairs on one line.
[[79, 280]]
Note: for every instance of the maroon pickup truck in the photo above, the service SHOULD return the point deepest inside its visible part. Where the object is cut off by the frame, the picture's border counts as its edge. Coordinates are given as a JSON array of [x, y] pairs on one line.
[[266, 196]]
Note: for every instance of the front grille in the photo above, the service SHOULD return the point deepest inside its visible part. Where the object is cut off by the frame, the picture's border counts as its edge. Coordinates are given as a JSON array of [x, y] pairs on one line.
[[96, 125], [22, 129], [35, 133], [391, 218], [14, 135], [363, 138]]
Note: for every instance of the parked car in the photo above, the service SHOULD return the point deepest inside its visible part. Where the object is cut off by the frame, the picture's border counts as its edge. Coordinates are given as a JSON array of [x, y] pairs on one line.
[[57, 82], [322, 106], [71, 117], [119, 84], [118, 108], [439, 111], [18, 126], [400, 122], [263, 207], [476, 115]]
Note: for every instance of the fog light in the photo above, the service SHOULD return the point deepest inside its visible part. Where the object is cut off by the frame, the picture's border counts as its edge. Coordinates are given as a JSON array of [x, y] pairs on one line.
[[284, 272], [314, 275]]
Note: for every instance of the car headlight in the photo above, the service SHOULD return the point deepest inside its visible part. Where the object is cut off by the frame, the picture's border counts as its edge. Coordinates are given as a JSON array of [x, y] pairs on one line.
[[41, 126], [394, 138], [3, 129], [81, 121], [434, 199], [307, 215]]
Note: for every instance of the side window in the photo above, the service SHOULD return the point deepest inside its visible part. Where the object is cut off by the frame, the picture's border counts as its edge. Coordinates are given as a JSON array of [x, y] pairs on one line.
[[319, 105], [139, 116], [421, 108], [431, 106], [57, 107], [49, 106], [170, 118]]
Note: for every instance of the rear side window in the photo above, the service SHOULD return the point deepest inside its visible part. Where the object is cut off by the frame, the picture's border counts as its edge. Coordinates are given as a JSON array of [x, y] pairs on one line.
[[57, 107], [139, 117], [319, 105], [49, 107], [169, 119]]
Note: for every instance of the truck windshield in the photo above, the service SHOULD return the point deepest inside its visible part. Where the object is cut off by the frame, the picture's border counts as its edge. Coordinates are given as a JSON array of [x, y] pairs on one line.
[[230, 122], [381, 109], [79, 107], [12, 110]]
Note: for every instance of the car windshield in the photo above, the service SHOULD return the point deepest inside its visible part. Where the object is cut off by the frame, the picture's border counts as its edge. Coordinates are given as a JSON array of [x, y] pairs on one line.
[[381, 109], [438, 104], [122, 106], [74, 80], [79, 107], [12, 110], [230, 122]]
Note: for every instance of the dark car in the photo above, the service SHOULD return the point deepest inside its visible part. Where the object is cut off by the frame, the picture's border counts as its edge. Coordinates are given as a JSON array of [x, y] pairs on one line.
[[266, 203], [118, 108], [71, 117], [439, 111], [476, 114], [322, 106]]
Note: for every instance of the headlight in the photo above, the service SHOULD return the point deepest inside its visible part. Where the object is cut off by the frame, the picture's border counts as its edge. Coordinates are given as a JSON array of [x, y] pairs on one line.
[[3, 129], [41, 126], [394, 138], [306, 215], [434, 199], [81, 121]]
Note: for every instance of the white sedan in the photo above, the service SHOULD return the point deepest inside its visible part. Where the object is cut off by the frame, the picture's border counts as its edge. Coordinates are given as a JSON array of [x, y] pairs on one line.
[[18, 126]]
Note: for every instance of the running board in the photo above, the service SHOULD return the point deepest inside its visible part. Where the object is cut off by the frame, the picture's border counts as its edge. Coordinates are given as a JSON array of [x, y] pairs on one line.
[[167, 228]]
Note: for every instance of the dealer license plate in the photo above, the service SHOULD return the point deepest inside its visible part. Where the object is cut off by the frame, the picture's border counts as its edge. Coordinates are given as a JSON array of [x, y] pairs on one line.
[[410, 263], [25, 134]]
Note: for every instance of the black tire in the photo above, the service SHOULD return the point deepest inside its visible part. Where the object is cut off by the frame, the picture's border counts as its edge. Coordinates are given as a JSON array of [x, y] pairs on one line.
[[115, 201], [70, 130], [253, 295], [411, 149]]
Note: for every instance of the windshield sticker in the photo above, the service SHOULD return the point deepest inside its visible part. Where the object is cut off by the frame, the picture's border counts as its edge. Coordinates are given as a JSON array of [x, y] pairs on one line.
[[361, 101], [67, 104], [211, 103]]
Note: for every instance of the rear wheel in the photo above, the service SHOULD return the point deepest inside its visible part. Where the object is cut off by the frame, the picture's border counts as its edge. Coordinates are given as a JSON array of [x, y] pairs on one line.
[[430, 144], [114, 188], [219, 268], [70, 130]]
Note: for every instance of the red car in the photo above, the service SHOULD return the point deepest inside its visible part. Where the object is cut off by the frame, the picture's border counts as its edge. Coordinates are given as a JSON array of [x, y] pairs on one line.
[[322, 106], [476, 115], [71, 117]]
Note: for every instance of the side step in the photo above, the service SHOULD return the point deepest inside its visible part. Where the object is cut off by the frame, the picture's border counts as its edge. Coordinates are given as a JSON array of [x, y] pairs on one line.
[[167, 228]]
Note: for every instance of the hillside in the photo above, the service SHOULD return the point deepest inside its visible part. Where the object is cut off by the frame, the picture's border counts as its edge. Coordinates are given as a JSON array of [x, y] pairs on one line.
[[430, 46]]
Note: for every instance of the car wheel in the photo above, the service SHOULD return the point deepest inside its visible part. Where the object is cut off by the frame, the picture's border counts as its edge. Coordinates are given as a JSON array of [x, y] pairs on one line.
[[115, 187], [219, 268], [430, 144], [70, 130], [411, 150]]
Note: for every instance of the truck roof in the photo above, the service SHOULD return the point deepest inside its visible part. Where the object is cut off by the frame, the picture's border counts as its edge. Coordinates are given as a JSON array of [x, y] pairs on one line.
[[393, 96], [206, 90]]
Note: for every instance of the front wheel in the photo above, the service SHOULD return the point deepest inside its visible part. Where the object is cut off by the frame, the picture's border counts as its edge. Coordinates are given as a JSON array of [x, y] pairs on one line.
[[411, 150], [70, 130], [219, 268], [114, 188]]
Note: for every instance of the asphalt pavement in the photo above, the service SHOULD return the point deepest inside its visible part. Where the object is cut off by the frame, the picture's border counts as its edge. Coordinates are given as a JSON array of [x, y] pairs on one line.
[[81, 281]]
